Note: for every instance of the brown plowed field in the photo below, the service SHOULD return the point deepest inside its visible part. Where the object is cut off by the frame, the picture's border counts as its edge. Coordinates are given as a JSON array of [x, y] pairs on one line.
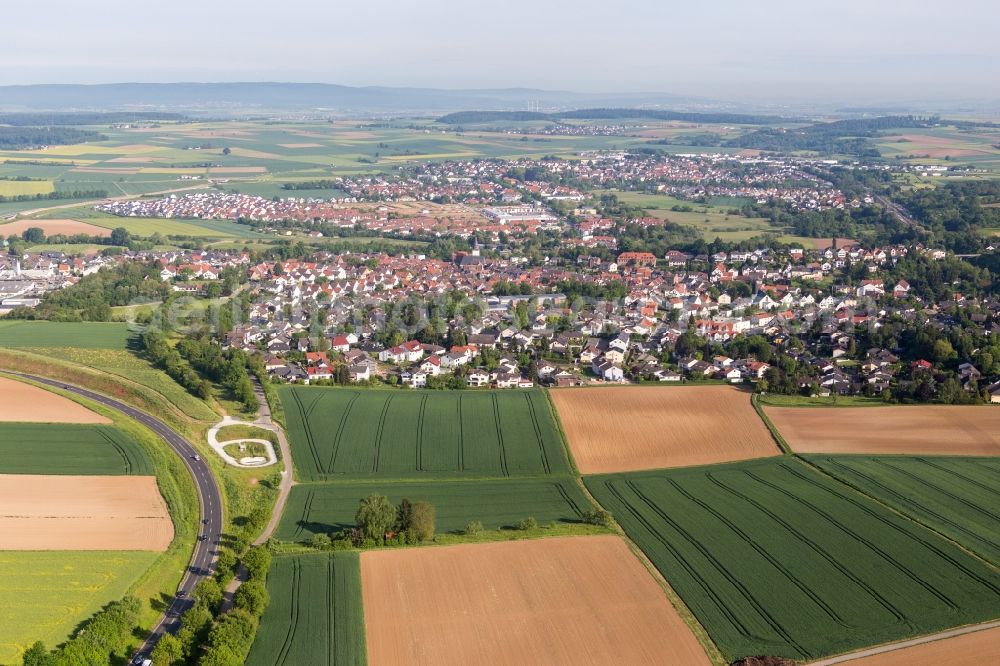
[[927, 429], [975, 649], [569, 600], [28, 403], [53, 227], [41, 512], [621, 429]]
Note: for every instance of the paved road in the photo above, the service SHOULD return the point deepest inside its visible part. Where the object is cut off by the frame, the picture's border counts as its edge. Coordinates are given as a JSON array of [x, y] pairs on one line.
[[205, 552]]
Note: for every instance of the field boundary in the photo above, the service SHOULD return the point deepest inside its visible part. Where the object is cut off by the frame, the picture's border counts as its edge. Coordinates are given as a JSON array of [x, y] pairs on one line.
[[782, 444], [686, 614], [711, 650], [900, 645], [562, 433]]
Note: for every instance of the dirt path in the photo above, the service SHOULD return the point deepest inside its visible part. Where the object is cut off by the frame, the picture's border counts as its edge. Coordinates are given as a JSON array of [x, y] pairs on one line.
[[287, 476], [246, 463], [892, 647]]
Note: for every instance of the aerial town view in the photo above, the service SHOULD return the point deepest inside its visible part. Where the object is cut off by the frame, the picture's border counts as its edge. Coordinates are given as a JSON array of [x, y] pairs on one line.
[[410, 334]]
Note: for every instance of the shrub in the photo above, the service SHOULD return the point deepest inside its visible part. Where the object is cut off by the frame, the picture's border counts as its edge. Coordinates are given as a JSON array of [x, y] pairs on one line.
[[598, 517], [256, 560], [321, 542], [474, 527], [528, 523], [253, 597], [422, 519]]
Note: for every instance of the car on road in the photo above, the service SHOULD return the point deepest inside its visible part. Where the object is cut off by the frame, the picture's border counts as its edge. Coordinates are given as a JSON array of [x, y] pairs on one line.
[[203, 537], [195, 457]]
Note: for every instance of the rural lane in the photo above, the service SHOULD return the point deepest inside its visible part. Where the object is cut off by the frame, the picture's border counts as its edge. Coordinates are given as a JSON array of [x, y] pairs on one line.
[[892, 647], [210, 500], [287, 475]]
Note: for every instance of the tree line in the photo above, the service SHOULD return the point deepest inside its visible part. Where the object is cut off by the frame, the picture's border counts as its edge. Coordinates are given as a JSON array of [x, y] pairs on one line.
[[105, 639], [54, 195], [40, 118], [20, 138]]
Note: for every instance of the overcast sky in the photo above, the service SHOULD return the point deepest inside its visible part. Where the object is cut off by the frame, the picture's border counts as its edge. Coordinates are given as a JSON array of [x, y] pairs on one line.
[[782, 50]]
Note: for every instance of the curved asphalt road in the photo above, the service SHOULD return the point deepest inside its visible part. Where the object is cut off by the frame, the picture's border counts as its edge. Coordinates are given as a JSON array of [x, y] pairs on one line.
[[205, 552]]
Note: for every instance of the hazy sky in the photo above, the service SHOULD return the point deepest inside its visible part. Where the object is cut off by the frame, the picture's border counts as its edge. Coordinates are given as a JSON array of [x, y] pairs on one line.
[[725, 49]]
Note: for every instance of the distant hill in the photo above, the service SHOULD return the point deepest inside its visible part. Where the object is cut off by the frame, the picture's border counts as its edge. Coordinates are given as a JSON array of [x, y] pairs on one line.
[[43, 119], [473, 117], [234, 98]]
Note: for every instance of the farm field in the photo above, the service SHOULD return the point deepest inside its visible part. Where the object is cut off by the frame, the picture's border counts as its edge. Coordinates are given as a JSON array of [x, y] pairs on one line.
[[22, 402], [957, 497], [33, 448], [89, 335], [315, 614], [712, 221], [53, 227], [13, 188], [344, 433], [569, 600], [775, 558], [616, 429], [134, 368], [53, 512], [46, 595], [264, 156], [315, 508], [974, 649], [932, 145], [172, 227], [927, 429]]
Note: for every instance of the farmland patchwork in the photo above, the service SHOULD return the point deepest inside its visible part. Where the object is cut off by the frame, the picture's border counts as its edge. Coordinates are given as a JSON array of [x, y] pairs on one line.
[[775, 558]]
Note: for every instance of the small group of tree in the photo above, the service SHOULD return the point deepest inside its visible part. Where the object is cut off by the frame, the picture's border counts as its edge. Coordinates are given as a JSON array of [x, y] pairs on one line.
[[36, 236], [599, 517], [168, 359], [380, 522], [105, 639], [228, 368], [321, 184], [92, 298]]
